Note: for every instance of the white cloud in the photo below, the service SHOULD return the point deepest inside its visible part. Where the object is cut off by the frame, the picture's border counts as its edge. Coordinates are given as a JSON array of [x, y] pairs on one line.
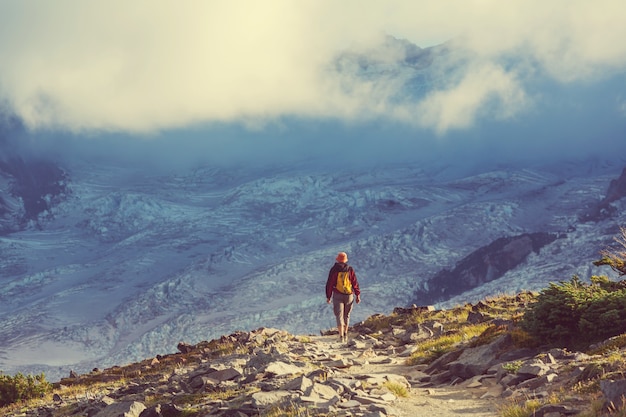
[[145, 66], [485, 88]]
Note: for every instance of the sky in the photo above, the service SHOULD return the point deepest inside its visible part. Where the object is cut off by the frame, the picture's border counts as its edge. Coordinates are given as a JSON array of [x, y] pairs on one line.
[[266, 71]]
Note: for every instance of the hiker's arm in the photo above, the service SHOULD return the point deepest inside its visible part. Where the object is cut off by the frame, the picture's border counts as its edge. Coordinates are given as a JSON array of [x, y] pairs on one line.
[[355, 285], [329, 286]]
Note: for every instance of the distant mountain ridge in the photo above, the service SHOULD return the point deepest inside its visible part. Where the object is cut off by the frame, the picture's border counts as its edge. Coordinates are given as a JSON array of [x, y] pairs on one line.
[[29, 185], [603, 209], [485, 264]]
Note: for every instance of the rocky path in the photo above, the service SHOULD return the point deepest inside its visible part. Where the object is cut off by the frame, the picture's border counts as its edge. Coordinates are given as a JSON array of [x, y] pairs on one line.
[[460, 400], [270, 368]]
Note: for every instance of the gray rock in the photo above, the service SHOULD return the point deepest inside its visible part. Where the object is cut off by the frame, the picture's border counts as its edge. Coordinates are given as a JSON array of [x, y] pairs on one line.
[[263, 399], [302, 384], [324, 392], [614, 391], [122, 409], [475, 361], [442, 362], [228, 374], [341, 363], [534, 367], [349, 404], [367, 400], [161, 410], [282, 368], [555, 410]]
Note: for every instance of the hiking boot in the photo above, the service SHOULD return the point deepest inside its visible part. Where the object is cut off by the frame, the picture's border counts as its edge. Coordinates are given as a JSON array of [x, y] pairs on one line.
[[344, 339]]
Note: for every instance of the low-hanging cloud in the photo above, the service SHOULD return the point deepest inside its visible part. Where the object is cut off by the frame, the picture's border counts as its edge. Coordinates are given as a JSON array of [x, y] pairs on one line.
[[145, 66]]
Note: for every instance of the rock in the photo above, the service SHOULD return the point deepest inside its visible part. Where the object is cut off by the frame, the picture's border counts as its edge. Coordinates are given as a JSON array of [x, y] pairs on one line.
[[341, 363], [184, 347], [533, 368], [263, 399], [614, 391], [228, 374], [475, 317], [349, 404], [302, 384], [122, 409], [413, 309], [161, 410], [518, 354], [282, 368], [442, 362], [555, 410], [475, 361], [535, 383]]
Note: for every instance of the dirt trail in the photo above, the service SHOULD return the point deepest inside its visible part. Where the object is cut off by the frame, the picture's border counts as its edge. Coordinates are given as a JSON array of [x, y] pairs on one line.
[[450, 401]]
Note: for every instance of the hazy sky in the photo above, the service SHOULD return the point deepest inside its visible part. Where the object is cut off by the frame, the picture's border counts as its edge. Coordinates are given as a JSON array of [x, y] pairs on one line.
[[145, 66]]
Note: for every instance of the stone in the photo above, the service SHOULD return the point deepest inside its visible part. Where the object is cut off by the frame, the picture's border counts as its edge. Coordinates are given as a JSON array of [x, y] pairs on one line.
[[161, 410], [263, 399], [442, 362], [302, 384], [341, 363], [324, 391], [555, 410], [493, 392], [534, 367], [185, 347], [228, 374], [366, 400], [474, 384], [122, 409], [349, 404], [614, 391], [282, 368], [388, 397]]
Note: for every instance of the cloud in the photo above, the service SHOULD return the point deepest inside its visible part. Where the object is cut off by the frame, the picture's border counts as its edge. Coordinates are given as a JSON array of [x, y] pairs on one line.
[[144, 67], [487, 88]]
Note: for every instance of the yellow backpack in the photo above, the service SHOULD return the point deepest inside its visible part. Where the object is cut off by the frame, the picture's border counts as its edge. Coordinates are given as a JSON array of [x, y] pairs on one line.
[[344, 285]]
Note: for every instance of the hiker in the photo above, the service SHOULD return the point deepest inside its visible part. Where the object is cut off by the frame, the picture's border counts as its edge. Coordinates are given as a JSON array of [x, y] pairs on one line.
[[342, 286]]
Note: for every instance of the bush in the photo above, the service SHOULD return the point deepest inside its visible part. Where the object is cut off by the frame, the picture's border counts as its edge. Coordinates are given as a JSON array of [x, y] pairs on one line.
[[574, 313], [19, 387], [615, 257]]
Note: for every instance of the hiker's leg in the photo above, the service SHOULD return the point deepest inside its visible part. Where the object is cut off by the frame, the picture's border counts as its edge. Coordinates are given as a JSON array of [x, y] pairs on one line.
[[346, 312], [338, 309]]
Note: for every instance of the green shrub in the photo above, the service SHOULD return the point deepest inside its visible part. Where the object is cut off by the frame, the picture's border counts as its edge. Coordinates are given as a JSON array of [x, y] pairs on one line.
[[19, 387], [615, 257], [574, 313]]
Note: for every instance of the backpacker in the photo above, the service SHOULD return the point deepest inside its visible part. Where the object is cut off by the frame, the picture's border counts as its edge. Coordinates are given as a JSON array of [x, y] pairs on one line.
[[344, 285]]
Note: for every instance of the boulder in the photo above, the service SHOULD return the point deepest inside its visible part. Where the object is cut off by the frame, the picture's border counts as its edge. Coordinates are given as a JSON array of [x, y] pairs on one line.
[[122, 409]]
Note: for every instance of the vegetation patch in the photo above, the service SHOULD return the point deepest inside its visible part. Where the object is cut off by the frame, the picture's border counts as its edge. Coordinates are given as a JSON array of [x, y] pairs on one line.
[[22, 387], [396, 388], [576, 314]]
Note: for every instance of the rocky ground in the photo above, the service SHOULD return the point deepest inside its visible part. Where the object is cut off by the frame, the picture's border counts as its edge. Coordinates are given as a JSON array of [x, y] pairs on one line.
[[269, 372], [421, 399], [284, 374]]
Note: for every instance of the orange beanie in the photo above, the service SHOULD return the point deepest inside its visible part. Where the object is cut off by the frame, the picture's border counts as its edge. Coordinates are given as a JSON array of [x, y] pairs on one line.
[[342, 257]]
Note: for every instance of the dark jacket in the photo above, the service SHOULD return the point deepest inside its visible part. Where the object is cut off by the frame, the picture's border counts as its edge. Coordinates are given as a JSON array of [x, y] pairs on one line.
[[331, 283]]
